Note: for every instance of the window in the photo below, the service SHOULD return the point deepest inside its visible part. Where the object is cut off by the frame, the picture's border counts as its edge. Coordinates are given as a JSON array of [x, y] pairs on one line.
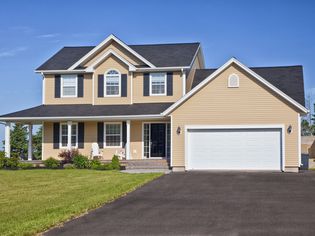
[[112, 83], [69, 85], [233, 81], [158, 84], [113, 135], [64, 135]]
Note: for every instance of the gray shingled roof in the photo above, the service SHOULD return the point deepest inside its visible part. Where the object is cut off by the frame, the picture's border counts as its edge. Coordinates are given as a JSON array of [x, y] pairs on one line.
[[160, 55], [289, 79], [90, 110]]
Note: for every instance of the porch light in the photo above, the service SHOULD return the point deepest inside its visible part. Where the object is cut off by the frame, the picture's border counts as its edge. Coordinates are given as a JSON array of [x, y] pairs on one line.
[[289, 129], [178, 130]]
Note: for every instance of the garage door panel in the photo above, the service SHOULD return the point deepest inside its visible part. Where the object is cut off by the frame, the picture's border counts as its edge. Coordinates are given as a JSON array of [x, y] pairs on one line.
[[252, 149]]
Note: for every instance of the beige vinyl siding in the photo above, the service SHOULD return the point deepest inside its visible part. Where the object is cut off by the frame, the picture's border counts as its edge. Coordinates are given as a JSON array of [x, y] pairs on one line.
[[117, 49], [50, 91], [138, 90], [111, 63], [196, 65], [250, 104]]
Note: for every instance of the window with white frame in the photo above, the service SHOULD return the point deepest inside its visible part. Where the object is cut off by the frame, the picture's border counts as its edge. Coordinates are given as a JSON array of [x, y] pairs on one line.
[[69, 85], [112, 83], [233, 81], [113, 135], [158, 84], [64, 135]]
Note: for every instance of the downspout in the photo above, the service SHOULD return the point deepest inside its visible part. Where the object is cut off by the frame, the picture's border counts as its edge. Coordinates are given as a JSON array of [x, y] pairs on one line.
[[43, 89], [183, 81]]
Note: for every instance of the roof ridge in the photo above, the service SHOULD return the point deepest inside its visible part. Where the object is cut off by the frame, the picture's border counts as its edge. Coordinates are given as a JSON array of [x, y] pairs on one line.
[[162, 44]]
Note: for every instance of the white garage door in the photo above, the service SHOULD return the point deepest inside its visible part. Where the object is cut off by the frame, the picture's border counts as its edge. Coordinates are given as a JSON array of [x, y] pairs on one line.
[[233, 149]]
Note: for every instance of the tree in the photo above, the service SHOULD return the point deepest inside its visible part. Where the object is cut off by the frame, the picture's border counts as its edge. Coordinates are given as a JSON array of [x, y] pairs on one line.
[[18, 141], [37, 144]]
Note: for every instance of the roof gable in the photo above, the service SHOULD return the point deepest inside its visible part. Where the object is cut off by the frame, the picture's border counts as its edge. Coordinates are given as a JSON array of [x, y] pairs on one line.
[[214, 74]]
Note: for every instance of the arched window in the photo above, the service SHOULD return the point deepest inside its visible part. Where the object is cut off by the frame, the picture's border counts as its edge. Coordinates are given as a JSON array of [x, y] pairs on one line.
[[233, 81], [112, 83]]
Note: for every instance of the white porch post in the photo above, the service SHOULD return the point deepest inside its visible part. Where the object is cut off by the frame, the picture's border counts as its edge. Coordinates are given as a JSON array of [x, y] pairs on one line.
[[69, 123], [7, 146], [30, 142], [128, 140]]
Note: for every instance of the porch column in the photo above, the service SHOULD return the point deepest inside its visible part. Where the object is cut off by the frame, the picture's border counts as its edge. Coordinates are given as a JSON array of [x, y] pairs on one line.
[[128, 140], [30, 142], [7, 146], [69, 123]]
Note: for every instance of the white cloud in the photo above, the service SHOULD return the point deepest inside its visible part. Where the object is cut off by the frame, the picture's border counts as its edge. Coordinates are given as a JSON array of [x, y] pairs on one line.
[[47, 35], [12, 52]]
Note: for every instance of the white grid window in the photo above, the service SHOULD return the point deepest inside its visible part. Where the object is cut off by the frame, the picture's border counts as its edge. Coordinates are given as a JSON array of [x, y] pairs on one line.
[[69, 85], [112, 83], [64, 135], [113, 135], [158, 84]]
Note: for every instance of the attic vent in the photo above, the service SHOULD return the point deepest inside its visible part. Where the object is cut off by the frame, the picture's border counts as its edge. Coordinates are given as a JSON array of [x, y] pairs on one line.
[[233, 81]]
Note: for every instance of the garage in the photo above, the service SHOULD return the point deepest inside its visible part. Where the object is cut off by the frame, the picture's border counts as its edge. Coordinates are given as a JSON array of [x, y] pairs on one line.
[[247, 148]]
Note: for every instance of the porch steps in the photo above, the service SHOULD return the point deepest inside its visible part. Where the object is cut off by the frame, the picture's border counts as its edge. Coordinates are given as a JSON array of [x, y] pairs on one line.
[[145, 164]]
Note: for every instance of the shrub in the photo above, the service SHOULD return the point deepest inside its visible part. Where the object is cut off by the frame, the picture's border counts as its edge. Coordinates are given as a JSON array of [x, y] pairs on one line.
[[3, 162], [68, 155], [24, 166], [12, 163], [95, 164], [68, 166], [2, 154], [81, 162], [52, 163], [115, 164]]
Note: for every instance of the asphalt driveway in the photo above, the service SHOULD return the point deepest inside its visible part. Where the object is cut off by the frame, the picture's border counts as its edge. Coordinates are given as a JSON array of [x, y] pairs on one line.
[[208, 203]]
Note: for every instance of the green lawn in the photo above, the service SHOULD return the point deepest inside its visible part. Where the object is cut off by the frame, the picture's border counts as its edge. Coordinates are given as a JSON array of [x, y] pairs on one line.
[[32, 201]]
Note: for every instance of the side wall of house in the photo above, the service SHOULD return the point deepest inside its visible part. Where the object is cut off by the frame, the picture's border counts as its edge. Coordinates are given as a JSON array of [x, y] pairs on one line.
[[250, 104]]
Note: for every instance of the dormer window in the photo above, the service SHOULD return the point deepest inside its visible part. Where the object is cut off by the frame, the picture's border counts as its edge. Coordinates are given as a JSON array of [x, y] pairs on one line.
[[157, 84], [112, 83], [69, 85], [233, 81]]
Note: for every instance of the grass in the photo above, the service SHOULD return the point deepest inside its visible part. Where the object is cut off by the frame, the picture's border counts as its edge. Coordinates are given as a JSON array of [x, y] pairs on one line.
[[32, 201]]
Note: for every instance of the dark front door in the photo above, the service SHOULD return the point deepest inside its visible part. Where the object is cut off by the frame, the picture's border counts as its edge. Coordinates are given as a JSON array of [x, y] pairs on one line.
[[158, 140]]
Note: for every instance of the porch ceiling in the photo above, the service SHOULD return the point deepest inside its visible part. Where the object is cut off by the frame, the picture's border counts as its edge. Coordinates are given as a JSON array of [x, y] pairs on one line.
[[88, 112]]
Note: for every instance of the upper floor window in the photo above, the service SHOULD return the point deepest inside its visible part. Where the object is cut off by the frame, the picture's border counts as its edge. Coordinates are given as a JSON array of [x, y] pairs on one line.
[[112, 83], [69, 85], [158, 84]]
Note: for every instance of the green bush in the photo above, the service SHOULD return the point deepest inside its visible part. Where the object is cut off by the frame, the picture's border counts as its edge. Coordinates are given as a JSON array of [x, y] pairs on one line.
[[24, 166], [12, 163], [115, 164], [68, 166], [81, 162], [52, 163], [95, 164], [3, 162], [2, 154]]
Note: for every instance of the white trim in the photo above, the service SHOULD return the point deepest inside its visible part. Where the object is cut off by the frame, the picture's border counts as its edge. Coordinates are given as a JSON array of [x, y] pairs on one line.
[[162, 69], [43, 140], [229, 81], [76, 87], [218, 71], [60, 71], [43, 89], [171, 150], [84, 118], [98, 47], [7, 141], [93, 89], [195, 56], [299, 139], [119, 84], [131, 87], [30, 143], [184, 82], [91, 68], [258, 126], [68, 138], [113, 123], [165, 84]]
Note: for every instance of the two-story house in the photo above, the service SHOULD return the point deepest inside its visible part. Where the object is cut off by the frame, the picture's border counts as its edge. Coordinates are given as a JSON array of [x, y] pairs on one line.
[[159, 102]]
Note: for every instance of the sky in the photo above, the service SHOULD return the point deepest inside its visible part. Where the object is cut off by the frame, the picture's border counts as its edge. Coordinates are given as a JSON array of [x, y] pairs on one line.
[[258, 33]]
